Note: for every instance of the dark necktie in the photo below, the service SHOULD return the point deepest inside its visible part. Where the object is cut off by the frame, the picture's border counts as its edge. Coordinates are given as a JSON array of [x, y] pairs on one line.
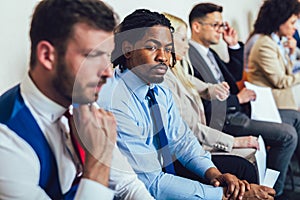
[[76, 151], [160, 131]]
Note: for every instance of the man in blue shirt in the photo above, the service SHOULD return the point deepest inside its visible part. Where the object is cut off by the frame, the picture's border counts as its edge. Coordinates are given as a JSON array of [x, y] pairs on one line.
[[143, 52]]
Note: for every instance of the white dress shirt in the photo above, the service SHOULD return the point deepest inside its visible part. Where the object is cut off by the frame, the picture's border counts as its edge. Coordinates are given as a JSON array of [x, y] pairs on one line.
[[20, 166]]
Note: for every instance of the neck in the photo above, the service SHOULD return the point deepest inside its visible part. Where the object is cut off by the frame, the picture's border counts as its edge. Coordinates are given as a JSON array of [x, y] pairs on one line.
[[196, 39], [44, 84]]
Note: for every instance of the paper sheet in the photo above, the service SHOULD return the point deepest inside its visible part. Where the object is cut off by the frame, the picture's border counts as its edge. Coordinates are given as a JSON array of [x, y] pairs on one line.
[[270, 178], [264, 107], [267, 176], [261, 156]]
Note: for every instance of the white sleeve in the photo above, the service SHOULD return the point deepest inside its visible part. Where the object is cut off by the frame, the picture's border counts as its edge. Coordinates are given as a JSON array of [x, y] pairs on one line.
[[125, 181], [89, 189], [19, 169], [20, 172]]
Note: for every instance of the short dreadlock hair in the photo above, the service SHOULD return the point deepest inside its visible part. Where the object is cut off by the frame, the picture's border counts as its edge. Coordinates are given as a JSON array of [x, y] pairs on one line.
[[133, 28]]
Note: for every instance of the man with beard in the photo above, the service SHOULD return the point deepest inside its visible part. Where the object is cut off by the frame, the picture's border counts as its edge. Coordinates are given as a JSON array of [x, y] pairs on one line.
[[41, 153], [150, 130]]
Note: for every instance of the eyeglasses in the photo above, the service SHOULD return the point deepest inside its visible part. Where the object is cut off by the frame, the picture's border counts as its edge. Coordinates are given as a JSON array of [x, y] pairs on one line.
[[215, 26]]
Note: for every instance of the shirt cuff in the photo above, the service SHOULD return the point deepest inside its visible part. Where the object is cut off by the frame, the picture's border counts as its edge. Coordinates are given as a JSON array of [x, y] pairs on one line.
[[89, 189], [213, 193], [237, 46], [293, 57]]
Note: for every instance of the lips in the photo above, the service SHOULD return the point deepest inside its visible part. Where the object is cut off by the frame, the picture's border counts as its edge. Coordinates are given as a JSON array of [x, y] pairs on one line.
[[100, 84], [161, 68]]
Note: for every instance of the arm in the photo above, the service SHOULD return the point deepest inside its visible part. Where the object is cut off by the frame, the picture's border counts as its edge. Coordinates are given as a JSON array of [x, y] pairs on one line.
[[191, 155], [236, 62], [192, 112], [20, 171], [215, 139], [125, 181], [135, 142], [122, 177], [210, 91], [233, 187], [236, 55], [143, 158], [98, 147]]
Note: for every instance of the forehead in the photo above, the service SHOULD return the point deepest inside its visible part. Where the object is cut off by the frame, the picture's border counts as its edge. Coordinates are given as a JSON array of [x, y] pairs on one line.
[[88, 37], [293, 18], [158, 33], [214, 16], [181, 31]]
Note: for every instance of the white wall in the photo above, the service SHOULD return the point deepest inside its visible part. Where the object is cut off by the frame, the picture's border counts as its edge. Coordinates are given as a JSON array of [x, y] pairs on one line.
[[15, 20]]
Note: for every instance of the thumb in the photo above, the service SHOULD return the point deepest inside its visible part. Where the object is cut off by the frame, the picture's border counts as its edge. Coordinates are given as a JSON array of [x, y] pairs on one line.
[[215, 182]]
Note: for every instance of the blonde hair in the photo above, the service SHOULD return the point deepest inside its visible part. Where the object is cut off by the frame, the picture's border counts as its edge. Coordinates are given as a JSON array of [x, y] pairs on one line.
[[182, 67]]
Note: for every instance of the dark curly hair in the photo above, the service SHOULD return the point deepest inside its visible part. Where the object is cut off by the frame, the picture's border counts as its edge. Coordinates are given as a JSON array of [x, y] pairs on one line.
[[273, 13], [53, 21], [133, 28]]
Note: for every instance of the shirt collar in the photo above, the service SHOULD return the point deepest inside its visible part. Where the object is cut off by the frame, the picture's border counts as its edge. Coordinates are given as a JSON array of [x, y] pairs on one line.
[[275, 37], [135, 84], [200, 48], [40, 103]]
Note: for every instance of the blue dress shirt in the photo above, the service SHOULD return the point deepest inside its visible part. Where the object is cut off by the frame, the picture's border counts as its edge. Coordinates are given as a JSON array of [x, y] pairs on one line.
[[125, 95]]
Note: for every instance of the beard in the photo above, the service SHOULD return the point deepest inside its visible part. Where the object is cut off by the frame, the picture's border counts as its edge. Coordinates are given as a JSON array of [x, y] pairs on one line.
[[68, 85], [63, 81]]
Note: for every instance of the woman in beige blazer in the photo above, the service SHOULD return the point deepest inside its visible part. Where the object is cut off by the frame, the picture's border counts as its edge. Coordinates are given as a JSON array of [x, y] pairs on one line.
[[186, 90], [270, 57]]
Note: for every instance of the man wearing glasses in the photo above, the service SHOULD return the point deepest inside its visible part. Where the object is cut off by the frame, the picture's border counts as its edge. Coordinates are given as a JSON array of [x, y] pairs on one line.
[[232, 116]]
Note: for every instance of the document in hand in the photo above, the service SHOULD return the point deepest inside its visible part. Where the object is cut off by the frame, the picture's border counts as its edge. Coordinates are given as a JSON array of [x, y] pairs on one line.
[[267, 176], [264, 107]]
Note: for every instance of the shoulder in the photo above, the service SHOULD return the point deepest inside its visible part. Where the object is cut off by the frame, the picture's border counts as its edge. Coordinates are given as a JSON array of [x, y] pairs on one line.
[[13, 147], [169, 80], [264, 44], [110, 90], [265, 40]]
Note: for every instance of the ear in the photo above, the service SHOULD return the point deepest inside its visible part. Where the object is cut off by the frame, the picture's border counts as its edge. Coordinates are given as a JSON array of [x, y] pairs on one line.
[[46, 54], [195, 27], [127, 49]]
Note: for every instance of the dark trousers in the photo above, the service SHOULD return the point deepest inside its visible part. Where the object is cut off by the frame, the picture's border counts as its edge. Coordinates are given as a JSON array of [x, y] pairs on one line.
[[282, 139], [292, 117], [235, 165]]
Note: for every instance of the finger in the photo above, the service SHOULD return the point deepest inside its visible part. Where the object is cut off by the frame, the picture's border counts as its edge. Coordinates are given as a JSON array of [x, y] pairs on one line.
[[81, 109], [247, 185], [222, 88], [269, 190], [110, 114], [81, 114], [232, 190], [242, 190], [93, 109], [225, 84]]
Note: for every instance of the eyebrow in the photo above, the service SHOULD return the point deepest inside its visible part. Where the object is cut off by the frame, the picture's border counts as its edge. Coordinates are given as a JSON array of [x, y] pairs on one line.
[[158, 42]]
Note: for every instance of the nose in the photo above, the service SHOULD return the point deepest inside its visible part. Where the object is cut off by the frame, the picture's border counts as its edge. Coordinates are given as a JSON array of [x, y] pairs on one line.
[[295, 26], [187, 46], [107, 72], [161, 55], [220, 30]]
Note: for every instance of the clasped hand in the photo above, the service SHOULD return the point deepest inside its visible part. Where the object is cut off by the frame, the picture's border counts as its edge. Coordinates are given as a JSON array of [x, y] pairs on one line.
[[96, 131]]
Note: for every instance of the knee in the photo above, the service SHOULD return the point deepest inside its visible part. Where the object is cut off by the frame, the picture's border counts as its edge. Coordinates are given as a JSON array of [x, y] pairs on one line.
[[290, 136]]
